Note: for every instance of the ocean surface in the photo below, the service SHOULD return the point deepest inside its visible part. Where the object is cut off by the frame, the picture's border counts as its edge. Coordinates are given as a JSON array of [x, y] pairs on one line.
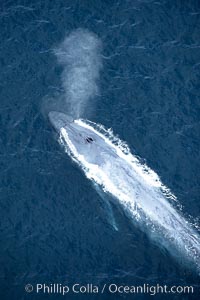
[[55, 226]]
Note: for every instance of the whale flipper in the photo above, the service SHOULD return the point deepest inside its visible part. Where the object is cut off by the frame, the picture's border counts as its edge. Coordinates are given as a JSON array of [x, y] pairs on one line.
[[107, 206]]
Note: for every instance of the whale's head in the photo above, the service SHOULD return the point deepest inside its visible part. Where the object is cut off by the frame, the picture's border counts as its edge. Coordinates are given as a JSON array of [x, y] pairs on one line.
[[80, 140]]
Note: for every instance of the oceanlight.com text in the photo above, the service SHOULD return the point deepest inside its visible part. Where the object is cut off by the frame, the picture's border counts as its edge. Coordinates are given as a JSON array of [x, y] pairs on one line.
[[89, 288]]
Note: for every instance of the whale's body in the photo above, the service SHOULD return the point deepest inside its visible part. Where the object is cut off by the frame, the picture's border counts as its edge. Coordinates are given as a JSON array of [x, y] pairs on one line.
[[137, 187]]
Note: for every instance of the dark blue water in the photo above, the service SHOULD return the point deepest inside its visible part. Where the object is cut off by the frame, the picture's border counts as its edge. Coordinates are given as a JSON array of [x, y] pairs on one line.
[[54, 225]]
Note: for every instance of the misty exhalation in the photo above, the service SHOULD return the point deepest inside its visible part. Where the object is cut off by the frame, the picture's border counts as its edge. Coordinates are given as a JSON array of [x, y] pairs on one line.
[[79, 55]]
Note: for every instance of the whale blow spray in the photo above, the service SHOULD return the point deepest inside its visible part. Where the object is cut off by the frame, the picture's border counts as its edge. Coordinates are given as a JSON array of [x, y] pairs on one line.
[[79, 55]]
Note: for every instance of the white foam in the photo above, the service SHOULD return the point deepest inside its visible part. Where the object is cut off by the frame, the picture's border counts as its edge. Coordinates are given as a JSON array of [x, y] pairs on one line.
[[140, 190]]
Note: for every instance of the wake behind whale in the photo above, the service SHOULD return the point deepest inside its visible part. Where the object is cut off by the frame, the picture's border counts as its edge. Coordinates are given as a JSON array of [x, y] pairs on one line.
[[139, 190]]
